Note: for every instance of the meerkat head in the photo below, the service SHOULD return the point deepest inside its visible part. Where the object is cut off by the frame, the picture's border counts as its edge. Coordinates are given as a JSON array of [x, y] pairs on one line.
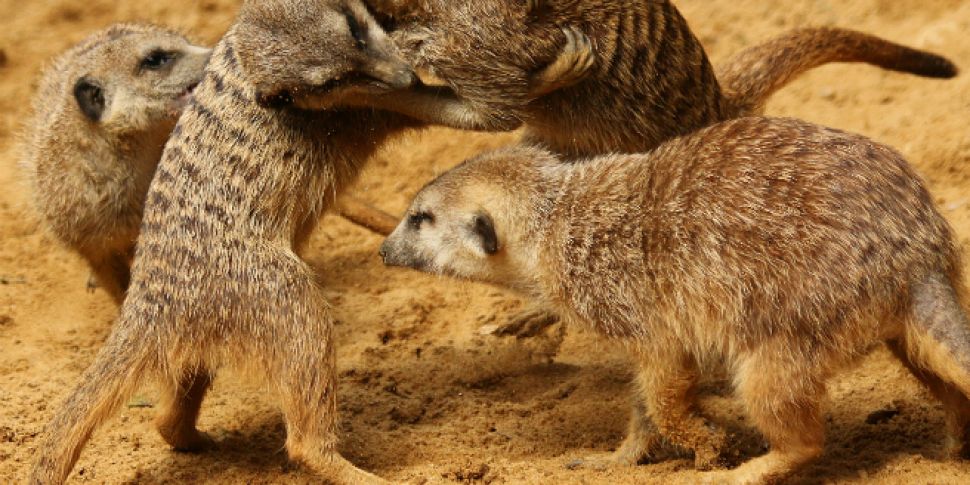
[[480, 221], [479, 49], [134, 78], [313, 52]]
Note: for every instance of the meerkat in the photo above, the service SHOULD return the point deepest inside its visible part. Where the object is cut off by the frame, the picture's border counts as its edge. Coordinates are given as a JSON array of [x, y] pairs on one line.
[[644, 77], [101, 116], [783, 248], [216, 278], [649, 78]]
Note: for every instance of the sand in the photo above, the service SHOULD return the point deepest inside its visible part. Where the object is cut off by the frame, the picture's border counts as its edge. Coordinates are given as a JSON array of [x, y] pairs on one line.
[[423, 397]]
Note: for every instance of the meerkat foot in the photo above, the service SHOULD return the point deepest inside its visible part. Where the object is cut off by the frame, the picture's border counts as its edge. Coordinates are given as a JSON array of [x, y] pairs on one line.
[[771, 468], [628, 454], [187, 441], [533, 6], [708, 456], [574, 63], [336, 469], [526, 324]]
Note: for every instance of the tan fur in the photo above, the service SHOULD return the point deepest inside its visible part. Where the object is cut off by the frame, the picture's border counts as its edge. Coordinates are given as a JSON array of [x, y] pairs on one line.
[[782, 249], [217, 278], [89, 177], [649, 78]]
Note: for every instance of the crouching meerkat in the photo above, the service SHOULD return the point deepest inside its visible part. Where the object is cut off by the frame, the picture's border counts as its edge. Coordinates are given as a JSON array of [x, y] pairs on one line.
[[779, 247], [217, 279], [102, 114]]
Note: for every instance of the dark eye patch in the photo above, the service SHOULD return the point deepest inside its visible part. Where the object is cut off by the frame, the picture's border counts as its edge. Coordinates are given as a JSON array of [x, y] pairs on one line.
[[156, 60], [416, 219], [356, 30]]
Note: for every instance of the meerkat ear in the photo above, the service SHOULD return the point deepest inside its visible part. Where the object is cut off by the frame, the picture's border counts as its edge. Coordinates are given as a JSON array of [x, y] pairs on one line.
[[90, 98], [485, 230]]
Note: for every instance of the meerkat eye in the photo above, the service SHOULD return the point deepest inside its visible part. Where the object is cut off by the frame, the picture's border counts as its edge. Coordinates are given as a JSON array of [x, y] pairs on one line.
[[157, 59], [356, 31], [416, 219]]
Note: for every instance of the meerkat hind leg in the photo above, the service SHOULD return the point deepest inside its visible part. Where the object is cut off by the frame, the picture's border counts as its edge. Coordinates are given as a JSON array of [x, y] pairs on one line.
[[574, 63], [956, 406], [183, 400], [300, 361], [936, 349]]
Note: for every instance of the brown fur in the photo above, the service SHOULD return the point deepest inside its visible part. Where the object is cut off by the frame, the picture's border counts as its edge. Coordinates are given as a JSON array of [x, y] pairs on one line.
[[753, 75], [89, 176], [217, 278], [780, 248], [651, 80], [648, 78]]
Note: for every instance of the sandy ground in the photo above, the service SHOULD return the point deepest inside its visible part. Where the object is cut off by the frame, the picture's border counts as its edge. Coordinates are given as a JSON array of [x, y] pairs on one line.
[[423, 397]]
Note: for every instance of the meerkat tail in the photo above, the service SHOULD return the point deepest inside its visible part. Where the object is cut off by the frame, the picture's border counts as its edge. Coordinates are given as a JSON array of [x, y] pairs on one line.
[[756, 73], [366, 215], [105, 386]]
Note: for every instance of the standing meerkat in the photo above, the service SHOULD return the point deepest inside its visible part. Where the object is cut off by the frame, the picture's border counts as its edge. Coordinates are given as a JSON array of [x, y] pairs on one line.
[[785, 249], [216, 278], [101, 117]]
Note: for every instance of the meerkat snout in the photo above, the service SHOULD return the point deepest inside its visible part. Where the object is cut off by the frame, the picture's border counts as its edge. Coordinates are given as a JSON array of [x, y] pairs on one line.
[[302, 68], [403, 247]]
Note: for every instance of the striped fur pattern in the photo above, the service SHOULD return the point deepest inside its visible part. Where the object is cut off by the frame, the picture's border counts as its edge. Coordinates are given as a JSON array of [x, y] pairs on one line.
[[89, 176], [217, 278], [652, 82], [783, 249]]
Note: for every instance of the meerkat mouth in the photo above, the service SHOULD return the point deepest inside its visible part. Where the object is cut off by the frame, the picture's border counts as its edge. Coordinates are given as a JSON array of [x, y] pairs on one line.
[[183, 99], [331, 90]]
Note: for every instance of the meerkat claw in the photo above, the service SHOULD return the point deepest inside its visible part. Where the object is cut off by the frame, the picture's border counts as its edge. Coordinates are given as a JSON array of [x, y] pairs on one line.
[[533, 5], [574, 63]]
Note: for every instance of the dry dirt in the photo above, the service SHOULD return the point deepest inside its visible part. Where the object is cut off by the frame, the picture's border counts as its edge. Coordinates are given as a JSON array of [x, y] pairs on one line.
[[423, 397]]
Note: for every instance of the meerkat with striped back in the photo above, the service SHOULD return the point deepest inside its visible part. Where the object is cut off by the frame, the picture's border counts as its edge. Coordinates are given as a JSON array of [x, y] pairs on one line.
[[783, 249]]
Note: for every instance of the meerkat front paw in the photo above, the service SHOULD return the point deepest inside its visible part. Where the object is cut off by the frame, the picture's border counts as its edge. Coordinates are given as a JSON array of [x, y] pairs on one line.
[[528, 323], [574, 63]]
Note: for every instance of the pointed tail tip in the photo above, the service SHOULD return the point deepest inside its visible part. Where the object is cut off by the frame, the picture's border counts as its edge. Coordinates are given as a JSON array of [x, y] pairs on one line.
[[934, 66]]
